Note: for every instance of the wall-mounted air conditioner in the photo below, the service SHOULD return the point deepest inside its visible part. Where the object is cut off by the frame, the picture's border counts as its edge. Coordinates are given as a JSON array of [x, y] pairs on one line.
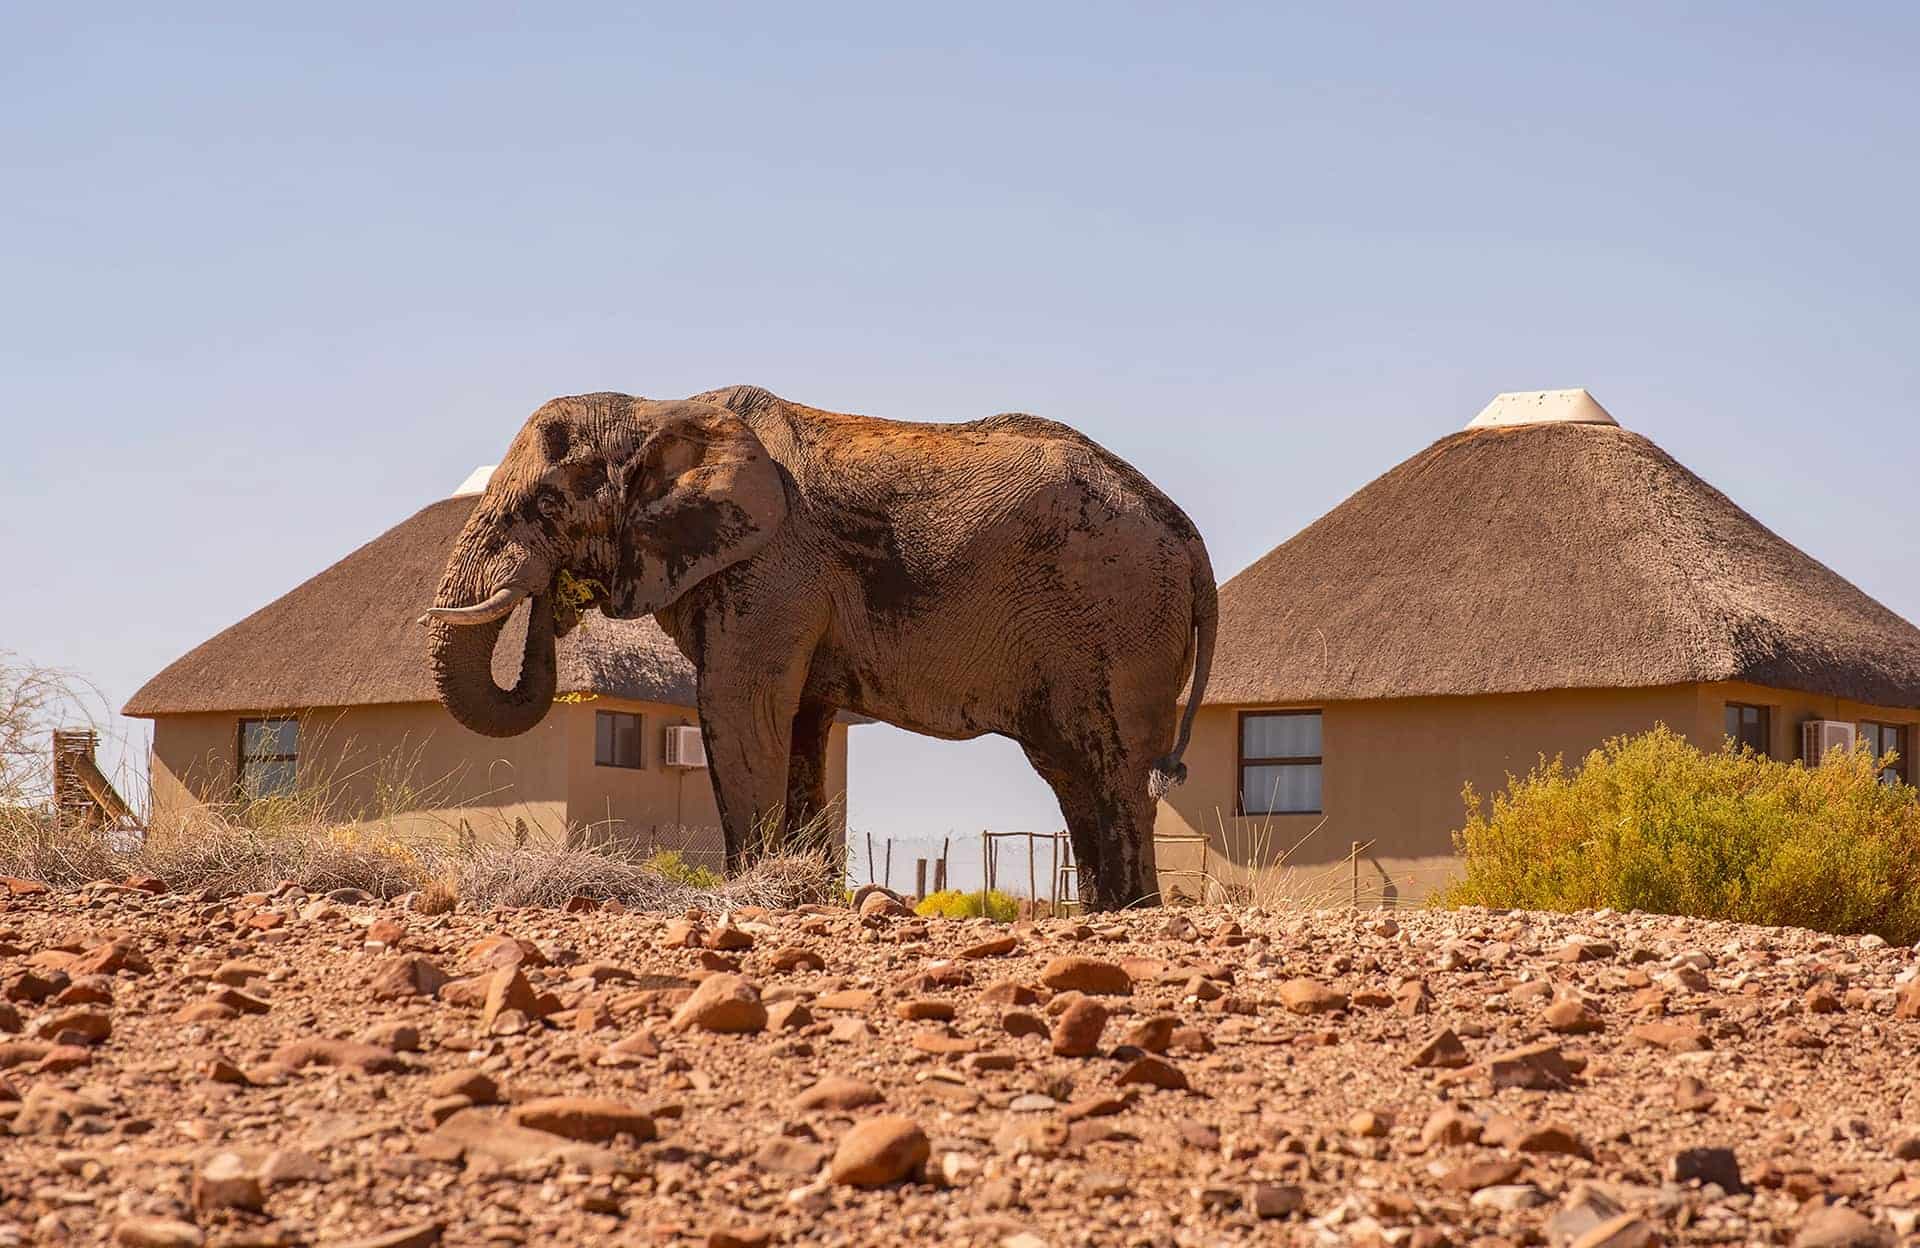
[[685, 748], [1819, 736]]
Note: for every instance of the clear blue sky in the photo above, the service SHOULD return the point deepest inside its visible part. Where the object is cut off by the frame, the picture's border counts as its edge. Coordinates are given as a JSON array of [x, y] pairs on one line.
[[273, 282]]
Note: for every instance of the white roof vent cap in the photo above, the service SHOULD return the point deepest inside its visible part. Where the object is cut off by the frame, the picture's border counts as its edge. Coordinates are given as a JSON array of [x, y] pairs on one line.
[[476, 482], [1541, 407]]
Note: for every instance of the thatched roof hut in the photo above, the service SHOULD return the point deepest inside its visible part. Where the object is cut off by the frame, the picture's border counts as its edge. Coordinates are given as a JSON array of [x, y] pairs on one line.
[[348, 637], [1525, 589], [1545, 547]]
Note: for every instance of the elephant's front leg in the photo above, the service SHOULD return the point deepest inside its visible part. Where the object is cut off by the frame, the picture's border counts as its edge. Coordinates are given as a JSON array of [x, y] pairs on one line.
[[748, 732], [807, 796]]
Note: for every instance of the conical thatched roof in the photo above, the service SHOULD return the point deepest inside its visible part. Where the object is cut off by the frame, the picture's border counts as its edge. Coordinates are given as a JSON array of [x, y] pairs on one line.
[[348, 638], [1564, 554]]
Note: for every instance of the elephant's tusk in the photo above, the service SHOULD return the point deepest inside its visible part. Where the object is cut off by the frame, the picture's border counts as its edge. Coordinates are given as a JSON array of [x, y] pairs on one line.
[[498, 604]]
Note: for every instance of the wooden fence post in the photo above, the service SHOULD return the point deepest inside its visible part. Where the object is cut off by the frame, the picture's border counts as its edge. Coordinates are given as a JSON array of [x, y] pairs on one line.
[[919, 877], [986, 868]]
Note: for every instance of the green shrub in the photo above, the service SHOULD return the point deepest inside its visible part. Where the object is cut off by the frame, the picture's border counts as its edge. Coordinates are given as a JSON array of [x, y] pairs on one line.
[[669, 864], [954, 904], [1651, 823]]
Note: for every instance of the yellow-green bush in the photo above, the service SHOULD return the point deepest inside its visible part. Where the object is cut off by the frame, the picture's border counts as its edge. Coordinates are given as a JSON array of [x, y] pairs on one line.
[[671, 865], [1651, 823], [954, 904]]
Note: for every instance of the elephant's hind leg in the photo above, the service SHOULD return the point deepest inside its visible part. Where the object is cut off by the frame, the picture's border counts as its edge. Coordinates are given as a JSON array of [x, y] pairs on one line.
[[1111, 831]]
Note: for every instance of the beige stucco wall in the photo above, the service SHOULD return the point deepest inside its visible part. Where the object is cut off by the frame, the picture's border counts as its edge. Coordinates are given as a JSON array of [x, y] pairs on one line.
[[670, 807], [1394, 768], [408, 764], [1791, 709], [412, 767]]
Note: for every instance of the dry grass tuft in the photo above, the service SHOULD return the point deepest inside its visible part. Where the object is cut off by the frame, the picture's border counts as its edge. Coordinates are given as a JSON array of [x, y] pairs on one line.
[[33, 847], [440, 896], [219, 857], [1246, 865], [550, 875], [301, 836], [223, 858]]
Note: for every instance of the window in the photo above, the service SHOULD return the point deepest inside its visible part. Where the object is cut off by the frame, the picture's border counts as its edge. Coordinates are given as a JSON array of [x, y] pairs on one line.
[[1884, 739], [616, 740], [1750, 726], [1280, 763], [269, 754]]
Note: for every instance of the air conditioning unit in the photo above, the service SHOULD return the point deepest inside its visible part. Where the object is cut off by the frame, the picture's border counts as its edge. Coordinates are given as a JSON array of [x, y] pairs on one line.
[[685, 748], [1819, 736]]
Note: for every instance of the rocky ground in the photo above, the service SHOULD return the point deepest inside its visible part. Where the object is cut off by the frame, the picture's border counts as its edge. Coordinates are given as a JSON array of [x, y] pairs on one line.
[[287, 1069]]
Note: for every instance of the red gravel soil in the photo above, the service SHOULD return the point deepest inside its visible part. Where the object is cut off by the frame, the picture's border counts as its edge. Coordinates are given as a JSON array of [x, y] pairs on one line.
[[291, 1069]]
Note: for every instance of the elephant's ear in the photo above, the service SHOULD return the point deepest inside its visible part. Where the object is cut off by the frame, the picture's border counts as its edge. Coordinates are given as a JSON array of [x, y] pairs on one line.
[[700, 494]]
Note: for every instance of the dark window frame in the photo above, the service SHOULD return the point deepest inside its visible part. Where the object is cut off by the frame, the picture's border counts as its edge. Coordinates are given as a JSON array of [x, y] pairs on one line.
[[1765, 749], [1242, 761], [1902, 738], [611, 758], [242, 758]]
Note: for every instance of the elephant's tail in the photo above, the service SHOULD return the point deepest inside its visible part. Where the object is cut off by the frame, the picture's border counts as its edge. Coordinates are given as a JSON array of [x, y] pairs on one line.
[[1170, 771]]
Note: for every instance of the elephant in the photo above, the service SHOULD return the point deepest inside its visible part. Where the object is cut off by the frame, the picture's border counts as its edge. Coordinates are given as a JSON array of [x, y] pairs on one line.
[[1006, 575]]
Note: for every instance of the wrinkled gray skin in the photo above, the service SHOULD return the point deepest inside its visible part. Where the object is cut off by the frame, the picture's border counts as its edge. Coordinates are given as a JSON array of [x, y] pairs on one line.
[[1001, 576]]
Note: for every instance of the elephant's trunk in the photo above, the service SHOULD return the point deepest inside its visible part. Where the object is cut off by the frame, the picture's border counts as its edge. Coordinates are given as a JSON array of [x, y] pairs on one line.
[[462, 656]]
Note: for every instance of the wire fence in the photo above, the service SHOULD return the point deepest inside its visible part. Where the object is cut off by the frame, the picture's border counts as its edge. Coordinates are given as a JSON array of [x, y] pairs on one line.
[[1034, 865]]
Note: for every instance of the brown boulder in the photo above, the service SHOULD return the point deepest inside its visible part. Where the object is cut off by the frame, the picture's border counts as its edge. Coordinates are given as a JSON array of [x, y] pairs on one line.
[[1310, 996], [590, 1119], [478, 1133], [1837, 1226], [795, 958], [1450, 1126], [1444, 1052], [1153, 1034], [500, 951], [1076, 1033], [157, 1233], [1156, 1073], [1523, 1137], [1673, 1037], [1624, 1230], [880, 1151], [1090, 975], [1570, 1018], [1020, 1023], [477, 1085], [398, 979], [880, 905], [228, 1180], [837, 1092], [81, 1026], [1008, 992], [722, 1003], [1539, 1067], [343, 1054], [508, 989]]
